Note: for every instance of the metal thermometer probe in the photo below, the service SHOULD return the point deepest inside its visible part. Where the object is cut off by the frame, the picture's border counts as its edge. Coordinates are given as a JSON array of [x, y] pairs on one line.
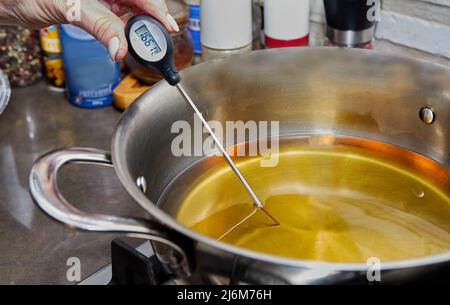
[[151, 45]]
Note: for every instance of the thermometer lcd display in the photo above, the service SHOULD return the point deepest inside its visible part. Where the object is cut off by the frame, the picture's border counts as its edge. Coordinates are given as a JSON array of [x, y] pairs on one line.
[[148, 40]]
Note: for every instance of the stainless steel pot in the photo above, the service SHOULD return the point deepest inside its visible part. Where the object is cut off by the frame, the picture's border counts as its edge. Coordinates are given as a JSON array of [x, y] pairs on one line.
[[310, 91]]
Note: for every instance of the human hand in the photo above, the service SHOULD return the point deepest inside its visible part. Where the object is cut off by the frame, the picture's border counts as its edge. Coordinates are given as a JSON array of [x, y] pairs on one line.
[[104, 19]]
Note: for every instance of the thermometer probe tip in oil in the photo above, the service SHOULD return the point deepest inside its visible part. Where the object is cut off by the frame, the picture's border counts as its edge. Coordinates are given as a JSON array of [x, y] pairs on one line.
[[151, 44], [270, 216]]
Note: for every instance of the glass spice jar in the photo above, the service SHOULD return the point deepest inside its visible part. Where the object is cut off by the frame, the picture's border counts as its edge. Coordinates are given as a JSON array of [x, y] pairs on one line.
[[20, 55], [182, 44], [5, 91]]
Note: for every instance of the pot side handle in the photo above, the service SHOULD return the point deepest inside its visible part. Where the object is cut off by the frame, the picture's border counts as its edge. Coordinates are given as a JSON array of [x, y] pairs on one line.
[[44, 190]]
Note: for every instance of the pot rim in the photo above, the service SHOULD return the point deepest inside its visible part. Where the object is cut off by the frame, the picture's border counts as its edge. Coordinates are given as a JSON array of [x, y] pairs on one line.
[[167, 220]]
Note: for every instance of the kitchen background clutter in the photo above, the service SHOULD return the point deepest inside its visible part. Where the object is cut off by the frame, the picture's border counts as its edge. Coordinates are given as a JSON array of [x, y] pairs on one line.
[[53, 62], [286, 25], [227, 28], [5, 91], [414, 27], [417, 28], [350, 23], [90, 73], [20, 55], [194, 24]]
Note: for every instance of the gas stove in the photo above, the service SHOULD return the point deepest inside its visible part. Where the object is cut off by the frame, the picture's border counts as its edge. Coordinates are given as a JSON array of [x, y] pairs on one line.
[[131, 266], [140, 266]]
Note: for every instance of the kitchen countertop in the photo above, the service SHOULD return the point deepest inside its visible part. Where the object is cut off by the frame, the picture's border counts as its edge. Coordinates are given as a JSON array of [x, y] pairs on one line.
[[34, 248]]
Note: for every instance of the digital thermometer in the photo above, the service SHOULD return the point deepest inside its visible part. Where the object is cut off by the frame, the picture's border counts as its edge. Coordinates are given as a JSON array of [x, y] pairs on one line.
[[150, 44]]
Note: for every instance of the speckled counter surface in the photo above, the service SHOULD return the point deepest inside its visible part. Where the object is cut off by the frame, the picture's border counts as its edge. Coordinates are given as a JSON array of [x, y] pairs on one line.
[[34, 249]]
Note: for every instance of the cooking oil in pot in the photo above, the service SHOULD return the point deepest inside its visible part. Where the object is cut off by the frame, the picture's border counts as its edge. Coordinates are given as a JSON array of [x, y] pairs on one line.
[[338, 199]]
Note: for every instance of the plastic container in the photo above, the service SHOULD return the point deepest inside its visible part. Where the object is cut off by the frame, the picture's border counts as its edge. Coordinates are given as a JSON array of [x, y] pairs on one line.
[[194, 24], [5, 91], [226, 25], [91, 74], [286, 23]]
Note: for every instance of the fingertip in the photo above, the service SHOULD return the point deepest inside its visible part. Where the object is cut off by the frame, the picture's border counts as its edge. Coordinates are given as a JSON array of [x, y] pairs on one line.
[[122, 53], [173, 23], [113, 47], [117, 48]]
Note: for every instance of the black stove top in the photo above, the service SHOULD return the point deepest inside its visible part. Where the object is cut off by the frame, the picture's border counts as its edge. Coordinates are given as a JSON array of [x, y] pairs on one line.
[[130, 266], [140, 266]]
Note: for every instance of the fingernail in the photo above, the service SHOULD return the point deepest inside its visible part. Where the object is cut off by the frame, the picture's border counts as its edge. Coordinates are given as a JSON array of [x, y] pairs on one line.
[[113, 47], [172, 23]]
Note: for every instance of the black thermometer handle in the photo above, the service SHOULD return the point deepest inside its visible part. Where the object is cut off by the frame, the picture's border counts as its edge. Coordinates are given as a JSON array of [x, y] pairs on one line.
[[166, 65]]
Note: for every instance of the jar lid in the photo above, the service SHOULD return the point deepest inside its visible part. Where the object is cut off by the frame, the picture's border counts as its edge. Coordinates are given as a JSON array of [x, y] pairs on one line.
[[192, 2], [5, 91], [179, 10]]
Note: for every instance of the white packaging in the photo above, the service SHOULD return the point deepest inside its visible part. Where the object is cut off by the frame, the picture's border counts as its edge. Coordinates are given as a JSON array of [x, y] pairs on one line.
[[286, 19], [226, 24]]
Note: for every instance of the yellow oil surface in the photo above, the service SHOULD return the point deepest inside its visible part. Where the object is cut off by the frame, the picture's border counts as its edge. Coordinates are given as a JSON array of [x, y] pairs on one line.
[[337, 199]]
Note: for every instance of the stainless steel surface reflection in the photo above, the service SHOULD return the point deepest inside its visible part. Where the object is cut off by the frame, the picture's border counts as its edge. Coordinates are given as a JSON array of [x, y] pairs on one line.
[[34, 249], [355, 93]]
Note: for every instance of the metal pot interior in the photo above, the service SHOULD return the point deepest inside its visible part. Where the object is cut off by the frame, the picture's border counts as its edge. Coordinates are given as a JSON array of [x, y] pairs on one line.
[[314, 91]]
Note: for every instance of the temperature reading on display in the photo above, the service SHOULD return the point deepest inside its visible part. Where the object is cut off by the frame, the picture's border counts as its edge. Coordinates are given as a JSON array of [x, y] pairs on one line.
[[148, 40]]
